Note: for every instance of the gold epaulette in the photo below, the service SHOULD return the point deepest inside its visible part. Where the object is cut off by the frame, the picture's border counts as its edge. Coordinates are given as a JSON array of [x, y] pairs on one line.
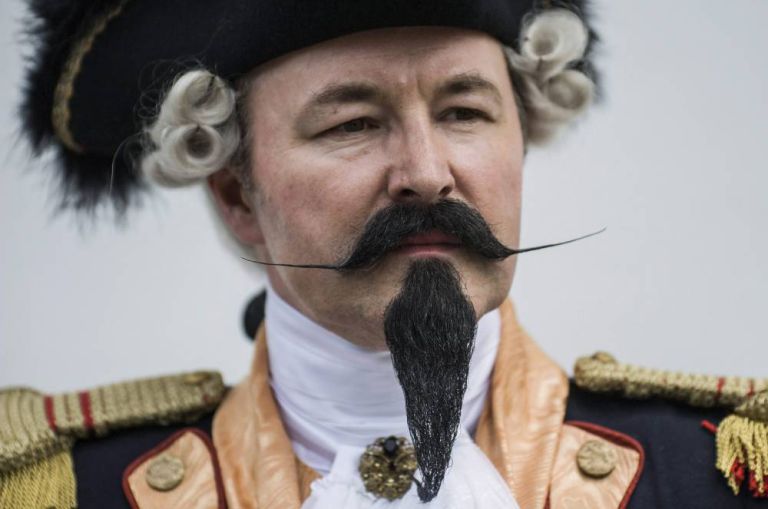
[[742, 437], [37, 431]]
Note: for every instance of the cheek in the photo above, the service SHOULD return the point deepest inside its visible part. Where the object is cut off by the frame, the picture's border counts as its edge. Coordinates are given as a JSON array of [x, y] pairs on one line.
[[308, 202], [490, 178]]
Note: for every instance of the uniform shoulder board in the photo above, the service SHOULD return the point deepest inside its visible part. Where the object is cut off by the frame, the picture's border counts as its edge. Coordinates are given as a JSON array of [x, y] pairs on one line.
[[742, 437], [37, 431]]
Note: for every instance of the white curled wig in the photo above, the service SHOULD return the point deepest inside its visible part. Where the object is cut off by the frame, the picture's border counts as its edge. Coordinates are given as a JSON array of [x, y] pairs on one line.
[[196, 131], [553, 93]]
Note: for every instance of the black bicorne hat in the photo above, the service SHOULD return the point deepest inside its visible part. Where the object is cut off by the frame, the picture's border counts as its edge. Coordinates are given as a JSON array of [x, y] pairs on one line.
[[100, 67]]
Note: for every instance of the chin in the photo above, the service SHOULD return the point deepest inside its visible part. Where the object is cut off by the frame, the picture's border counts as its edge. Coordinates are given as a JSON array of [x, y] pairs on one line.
[[486, 283], [491, 288]]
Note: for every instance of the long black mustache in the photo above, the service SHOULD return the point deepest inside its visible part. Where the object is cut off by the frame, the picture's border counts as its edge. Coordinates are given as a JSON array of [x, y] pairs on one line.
[[386, 230]]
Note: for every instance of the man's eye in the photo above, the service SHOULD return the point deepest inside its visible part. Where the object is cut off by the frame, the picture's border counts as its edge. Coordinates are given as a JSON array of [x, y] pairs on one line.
[[464, 114], [357, 125]]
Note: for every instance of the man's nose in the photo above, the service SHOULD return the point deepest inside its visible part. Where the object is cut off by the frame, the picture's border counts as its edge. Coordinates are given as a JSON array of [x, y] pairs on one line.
[[422, 172]]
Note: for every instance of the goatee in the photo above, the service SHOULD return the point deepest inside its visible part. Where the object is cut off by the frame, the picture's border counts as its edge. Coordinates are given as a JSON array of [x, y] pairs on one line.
[[430, 331]]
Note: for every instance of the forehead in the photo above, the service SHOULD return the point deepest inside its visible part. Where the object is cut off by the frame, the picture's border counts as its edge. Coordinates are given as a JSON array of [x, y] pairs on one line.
[[391, 57]]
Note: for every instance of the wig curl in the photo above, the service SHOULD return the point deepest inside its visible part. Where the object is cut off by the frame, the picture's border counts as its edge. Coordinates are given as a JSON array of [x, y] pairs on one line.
[[554, 92], [195, 133]]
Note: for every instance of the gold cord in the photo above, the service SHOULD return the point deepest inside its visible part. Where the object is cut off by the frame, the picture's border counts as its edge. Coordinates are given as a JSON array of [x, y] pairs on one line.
[[602, 373]]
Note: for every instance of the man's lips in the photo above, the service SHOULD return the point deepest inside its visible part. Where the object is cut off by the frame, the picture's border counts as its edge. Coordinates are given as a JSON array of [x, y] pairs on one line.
[[429, 238], [428, 243]]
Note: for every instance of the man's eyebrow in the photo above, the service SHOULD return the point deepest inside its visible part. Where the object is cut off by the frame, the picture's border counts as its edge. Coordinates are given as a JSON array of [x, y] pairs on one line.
[[466, 83], [341, 93], [355, 92]]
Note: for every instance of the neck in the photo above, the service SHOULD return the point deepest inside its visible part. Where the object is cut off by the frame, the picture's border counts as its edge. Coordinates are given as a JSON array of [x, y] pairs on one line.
[[333, 393]]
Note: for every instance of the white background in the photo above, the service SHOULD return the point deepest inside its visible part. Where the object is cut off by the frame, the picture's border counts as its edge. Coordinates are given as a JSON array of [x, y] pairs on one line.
[[671, 162]]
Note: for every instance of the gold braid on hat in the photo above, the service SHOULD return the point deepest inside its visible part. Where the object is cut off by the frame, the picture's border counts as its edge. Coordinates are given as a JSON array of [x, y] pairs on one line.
[[61, 114]]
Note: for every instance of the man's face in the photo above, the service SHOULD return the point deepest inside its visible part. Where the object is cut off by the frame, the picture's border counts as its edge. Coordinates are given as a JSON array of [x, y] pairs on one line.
[[347, 127]]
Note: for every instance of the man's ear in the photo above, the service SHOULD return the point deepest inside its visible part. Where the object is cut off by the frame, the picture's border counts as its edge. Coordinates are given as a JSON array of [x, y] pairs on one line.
[[234, 207]]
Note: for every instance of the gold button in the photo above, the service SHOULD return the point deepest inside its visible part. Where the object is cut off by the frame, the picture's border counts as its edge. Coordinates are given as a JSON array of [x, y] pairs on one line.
[[387, 467], [165, 472], [596, 458], [196, 378]]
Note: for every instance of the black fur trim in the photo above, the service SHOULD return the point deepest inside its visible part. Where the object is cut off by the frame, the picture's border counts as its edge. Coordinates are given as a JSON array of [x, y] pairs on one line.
[[90, 183], [85, 180]]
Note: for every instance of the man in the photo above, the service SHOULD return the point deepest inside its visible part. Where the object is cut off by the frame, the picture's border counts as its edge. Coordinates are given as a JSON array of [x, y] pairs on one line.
[[370, 156]]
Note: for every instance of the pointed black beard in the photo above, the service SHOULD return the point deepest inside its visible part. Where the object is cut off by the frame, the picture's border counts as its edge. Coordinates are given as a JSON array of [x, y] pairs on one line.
[[430, 330]]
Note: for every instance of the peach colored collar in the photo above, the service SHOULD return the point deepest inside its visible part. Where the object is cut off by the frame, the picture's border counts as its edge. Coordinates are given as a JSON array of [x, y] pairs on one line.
[[518, 431], [259, 468]]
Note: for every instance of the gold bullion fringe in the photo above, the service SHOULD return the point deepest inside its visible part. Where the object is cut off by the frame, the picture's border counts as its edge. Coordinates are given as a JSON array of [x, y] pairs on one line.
[[48, 483], [25, 435], [742, 453]]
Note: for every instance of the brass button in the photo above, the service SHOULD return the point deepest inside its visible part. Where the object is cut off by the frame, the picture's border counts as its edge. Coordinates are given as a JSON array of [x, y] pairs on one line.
[[196, 378], [165, 472], [387, 467], [596, 458]]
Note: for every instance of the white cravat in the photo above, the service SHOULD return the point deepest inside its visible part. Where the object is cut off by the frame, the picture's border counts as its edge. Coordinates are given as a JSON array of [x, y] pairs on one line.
[[335, 398], [471, 482]]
